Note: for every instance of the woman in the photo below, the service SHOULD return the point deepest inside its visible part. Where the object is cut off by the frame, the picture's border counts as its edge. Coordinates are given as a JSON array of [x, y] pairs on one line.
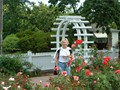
[[63, 55]]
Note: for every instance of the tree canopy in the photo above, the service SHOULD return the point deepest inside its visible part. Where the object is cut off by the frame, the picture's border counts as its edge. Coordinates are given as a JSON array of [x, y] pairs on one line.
[[62, 4], [102, 12]]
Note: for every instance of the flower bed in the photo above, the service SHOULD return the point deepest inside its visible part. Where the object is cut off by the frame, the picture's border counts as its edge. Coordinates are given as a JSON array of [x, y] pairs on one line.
[[101, 74]]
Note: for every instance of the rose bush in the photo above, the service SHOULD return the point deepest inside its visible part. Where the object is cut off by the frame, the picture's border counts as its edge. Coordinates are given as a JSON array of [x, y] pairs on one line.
[[102, 74]]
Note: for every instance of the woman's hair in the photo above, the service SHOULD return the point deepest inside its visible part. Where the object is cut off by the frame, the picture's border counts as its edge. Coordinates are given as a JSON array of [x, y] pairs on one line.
[[65, 39]]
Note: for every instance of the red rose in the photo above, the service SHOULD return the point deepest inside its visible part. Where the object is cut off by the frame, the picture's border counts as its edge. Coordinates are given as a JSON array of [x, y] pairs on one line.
[[69, 62], [56, 68], [64, 73], [78, 41], [106, 58], [117, 71], [88, 72], [78, 68], [105, 62], [84, 64]]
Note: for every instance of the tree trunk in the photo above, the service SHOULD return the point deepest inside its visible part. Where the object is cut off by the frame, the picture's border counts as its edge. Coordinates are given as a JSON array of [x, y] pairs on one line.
[[1, 24], [119, 49]]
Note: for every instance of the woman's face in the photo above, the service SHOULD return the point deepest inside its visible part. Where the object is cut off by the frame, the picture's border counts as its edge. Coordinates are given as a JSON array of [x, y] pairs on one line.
[[64, 44]]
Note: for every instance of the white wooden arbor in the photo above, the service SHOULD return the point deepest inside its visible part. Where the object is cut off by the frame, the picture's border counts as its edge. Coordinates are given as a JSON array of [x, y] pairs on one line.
[[78, 24]]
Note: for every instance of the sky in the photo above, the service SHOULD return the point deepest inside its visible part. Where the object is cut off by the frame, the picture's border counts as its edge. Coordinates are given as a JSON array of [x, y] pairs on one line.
[[36, 1], [46, 1]]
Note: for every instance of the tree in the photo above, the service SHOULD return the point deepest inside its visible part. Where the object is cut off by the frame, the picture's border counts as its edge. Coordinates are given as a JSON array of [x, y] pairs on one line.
[[19, 16], [102, 12], [62, 4], [13, 13]]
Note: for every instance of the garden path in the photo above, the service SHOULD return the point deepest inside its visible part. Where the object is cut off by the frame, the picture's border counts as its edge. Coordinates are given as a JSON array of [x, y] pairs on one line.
[[44, 79]]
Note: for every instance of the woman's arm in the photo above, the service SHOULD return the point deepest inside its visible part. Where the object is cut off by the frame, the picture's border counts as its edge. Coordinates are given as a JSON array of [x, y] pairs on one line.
[[71, 56], [56, 60]]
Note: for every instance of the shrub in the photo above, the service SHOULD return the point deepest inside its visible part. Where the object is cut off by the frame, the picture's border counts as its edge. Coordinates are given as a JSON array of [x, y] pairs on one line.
[[12, 65], [37, 41], [102, 74], [10, 44]]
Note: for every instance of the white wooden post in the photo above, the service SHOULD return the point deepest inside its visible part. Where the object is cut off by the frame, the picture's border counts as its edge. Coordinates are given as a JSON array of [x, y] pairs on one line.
[[115, 37], [29, 53]]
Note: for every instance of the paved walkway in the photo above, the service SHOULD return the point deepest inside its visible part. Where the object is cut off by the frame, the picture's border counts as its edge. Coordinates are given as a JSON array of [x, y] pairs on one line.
[[44, 79]]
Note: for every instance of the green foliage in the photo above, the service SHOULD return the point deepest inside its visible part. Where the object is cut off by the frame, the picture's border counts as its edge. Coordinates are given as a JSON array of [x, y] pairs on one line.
[[44, 18], [10, 66], [113, 25], [18, 82], [19, 17], [10, 43], [22, 18], [102, 12], [100, 76], [63, 4], [14, 12], [35, 41]]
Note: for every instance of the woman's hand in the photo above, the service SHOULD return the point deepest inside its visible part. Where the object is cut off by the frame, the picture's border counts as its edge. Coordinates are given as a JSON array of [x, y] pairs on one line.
[[69, 56]]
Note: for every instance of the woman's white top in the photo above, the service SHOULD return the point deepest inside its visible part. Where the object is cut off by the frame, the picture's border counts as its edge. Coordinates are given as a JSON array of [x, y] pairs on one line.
[[63, 55]]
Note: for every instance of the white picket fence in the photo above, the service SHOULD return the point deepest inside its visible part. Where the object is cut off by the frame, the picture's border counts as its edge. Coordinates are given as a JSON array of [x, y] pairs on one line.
[[45, 61]]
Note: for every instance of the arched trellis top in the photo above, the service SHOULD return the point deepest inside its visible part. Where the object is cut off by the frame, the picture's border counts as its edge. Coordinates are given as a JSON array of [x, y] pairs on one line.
[[78, 25]]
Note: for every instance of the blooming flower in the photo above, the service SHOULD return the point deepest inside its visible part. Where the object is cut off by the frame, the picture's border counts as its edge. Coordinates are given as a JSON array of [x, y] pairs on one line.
[[88, 72], [11, 79], [19, 73], [98, 78], [40, 81], [91, 74], [46, 85], [84, 64], [95, 81], [58, 88], [76, 78], [6, 88], [78, 41], [78, 68], [56, 68], [64, 73], [2, 83], [111, 67], [106, 58], [73, 46], [18, 86], [70, 61], [105, 62], [117, 71]]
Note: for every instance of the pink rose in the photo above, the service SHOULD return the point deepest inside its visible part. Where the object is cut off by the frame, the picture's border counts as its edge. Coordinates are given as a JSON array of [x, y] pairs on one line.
[[95, 81], [76, 78], [73, 46], [46, 85]]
